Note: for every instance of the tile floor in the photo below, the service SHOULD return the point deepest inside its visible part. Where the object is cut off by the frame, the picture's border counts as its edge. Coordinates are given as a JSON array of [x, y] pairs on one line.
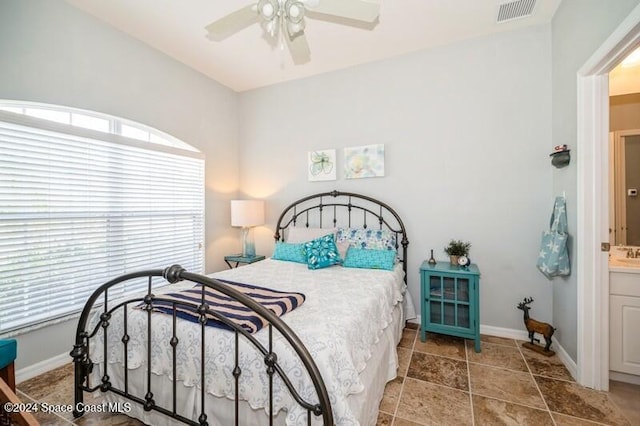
[[440, 382], [444, 382]]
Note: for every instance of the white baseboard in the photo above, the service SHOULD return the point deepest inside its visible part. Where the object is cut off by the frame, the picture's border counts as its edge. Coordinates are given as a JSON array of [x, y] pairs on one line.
[[507, 333], [622, 377], [42, 367], [570, 364]]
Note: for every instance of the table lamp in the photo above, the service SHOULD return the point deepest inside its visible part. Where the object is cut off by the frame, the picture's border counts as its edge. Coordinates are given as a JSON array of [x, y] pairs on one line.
[[247, 214]]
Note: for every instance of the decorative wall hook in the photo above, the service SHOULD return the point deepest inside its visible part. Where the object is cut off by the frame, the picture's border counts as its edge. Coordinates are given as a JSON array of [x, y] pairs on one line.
[[560, 156]]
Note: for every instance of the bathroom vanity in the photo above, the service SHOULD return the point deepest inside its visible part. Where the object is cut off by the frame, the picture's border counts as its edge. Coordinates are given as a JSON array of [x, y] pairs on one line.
[[624, 311]]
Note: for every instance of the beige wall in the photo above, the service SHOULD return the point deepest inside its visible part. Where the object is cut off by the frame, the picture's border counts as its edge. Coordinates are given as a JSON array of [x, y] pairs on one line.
[[624, 112]]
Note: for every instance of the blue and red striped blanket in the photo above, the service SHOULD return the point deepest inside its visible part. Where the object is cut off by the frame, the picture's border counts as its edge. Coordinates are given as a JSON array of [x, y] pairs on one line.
[[278, 302]]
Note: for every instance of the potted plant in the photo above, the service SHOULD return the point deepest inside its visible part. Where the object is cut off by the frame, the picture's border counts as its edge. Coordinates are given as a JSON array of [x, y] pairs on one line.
[[457, 248]]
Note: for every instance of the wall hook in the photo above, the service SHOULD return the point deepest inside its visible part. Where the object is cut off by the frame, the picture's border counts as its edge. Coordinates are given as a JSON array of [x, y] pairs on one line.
[[560, 157]]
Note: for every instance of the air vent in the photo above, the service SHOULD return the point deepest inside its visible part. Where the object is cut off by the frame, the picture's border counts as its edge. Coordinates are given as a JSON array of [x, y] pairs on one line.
[[515, 10]]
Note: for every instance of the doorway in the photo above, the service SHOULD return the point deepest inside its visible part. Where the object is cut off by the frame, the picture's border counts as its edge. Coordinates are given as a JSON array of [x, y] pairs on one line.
[[593, 205]]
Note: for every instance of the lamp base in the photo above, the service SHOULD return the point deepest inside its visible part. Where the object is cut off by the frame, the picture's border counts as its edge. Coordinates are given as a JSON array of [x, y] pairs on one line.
[[248, 245]]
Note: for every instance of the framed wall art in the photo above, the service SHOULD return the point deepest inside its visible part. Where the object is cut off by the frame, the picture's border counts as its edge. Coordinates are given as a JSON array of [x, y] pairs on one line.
[[321, 165], [364, 161]]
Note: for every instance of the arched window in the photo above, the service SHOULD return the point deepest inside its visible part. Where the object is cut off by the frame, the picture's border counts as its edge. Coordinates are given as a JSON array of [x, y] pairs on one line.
[[85, 197]]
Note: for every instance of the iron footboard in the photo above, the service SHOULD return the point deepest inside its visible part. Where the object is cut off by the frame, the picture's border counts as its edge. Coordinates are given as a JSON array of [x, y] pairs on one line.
[[83, 364]]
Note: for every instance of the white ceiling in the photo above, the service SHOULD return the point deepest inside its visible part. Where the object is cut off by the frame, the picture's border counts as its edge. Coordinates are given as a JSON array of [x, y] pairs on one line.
[[245, 61]]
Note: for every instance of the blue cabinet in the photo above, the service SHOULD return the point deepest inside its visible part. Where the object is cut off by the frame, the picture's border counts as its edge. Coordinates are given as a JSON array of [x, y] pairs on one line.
[[449, 300]]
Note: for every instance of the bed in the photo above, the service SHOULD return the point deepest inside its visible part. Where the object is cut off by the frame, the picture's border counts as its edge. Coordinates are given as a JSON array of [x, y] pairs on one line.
[[325, 362]]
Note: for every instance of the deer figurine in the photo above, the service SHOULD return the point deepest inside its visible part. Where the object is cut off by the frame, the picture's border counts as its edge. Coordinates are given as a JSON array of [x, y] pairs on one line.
[[534, 326]]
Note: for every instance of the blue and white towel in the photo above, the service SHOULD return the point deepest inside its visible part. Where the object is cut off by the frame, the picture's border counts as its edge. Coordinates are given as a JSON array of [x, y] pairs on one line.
[[553, 259]]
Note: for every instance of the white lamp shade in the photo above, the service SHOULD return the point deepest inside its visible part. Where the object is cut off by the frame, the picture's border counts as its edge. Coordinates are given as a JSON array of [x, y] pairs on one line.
[[247, 213]]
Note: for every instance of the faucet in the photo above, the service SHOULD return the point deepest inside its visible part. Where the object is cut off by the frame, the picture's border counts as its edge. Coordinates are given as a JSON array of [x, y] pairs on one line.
[[631, 254]]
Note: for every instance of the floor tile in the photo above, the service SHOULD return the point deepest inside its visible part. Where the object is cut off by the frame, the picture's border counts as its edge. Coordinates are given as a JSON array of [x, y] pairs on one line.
[[564, 420], [513, 386], [548, 366], [441, 344], [489, 411], [391, 395], [44, 418], [100, 419], [384, 419], [430, 404], [404, 358], [497, 356], [50, 387], [504, 341], [627, 397], [408, 337], [402, 422], [436, 369], [54, 387], [570, 398]]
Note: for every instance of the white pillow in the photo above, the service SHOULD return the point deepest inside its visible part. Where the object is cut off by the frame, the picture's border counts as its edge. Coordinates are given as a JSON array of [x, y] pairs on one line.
[[343, 247], [302, 234]]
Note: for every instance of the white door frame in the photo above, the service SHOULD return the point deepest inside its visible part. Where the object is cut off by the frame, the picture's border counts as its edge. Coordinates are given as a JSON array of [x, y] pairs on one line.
[[593, 202]]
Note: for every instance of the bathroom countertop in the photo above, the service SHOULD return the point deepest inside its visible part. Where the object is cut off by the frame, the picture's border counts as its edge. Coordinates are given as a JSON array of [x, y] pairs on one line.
[[629, 266], [618, 262]]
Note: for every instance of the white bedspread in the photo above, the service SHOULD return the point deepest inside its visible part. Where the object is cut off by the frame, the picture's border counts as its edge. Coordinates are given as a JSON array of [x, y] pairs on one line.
[[343, 316]]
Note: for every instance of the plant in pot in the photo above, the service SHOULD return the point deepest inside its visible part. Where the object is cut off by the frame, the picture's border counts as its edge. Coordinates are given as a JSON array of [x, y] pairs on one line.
[[457, 248]]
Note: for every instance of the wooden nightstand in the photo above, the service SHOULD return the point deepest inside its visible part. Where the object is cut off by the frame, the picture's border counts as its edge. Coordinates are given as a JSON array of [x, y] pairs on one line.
[[239, 259], [449, 300]]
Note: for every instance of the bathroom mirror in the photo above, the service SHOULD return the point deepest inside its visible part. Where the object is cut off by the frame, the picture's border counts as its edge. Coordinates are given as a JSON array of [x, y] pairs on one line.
[[625, 187]]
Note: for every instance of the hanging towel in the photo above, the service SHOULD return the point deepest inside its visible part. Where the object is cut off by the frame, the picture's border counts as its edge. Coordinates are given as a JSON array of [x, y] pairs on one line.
[[553, 259]]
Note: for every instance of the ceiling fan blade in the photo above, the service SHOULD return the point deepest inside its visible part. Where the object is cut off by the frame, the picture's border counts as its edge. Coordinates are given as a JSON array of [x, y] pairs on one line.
[[299, 48], [232, 23], [359, 10]]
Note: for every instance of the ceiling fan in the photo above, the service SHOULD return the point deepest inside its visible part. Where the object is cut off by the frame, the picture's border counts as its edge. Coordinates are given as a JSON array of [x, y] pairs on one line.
[[283, 21]]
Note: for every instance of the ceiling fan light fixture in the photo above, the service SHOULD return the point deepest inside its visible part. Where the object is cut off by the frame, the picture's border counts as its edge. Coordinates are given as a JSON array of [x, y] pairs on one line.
[[284, 21], [294, 11], [268, 9]]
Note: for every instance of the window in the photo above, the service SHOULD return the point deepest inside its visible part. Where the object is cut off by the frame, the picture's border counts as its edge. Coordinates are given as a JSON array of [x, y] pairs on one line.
[[79, 207], [94, 121]]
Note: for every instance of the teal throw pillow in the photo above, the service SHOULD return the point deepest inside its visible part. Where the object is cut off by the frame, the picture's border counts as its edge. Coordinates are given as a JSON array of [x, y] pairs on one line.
[[370, 258], [322, 252], [290, 252]]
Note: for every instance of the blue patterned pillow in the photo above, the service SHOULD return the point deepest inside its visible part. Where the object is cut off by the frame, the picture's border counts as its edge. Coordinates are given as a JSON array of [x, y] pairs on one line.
[[290, 252], [378, 239], [322, 252], [370, 259]]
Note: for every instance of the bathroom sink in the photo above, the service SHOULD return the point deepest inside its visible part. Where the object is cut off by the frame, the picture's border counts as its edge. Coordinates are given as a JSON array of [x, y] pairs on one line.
[[624, 261]]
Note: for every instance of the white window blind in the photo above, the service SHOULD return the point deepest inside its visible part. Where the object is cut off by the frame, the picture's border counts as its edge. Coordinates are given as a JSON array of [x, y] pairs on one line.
[[77, 211]]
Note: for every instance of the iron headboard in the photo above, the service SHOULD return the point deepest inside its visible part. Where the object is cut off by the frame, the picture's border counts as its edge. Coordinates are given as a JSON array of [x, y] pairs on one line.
[[344, 209]]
